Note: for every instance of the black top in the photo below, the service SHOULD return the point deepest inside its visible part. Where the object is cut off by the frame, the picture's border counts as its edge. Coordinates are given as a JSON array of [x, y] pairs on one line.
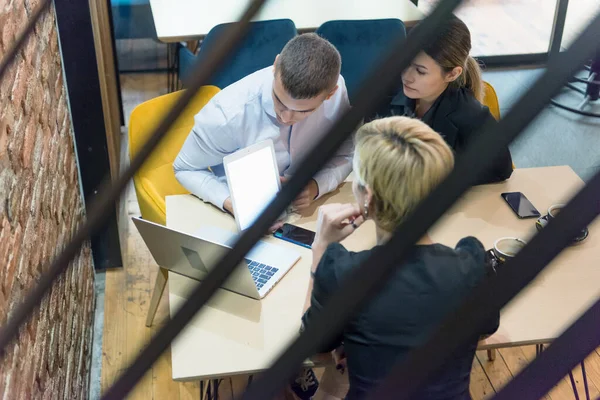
[[410, 306], [456, 115]]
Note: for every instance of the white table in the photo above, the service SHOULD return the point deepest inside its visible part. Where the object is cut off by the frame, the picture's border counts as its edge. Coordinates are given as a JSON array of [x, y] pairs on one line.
[[179, 20], [237, 335]]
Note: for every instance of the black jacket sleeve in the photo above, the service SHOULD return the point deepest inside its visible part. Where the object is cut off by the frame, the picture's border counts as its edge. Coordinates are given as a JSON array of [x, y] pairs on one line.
[[325, 283], [503, 167], [475, 249]]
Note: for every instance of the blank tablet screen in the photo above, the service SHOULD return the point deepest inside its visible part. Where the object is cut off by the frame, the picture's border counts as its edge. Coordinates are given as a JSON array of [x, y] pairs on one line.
[[254, 183]]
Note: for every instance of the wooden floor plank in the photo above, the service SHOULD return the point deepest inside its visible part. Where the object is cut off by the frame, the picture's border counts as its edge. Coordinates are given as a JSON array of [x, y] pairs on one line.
[[480, 387], [189, 391], [497, 371], [162, 373], [592, 366], [137, 280], [113, 345], [517, 358]]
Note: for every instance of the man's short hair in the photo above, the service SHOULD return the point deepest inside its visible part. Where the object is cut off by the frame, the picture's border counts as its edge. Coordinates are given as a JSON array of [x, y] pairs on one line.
[[308, 66]]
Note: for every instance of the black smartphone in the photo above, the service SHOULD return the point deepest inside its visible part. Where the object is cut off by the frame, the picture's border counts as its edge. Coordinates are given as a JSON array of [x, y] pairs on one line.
[[295, 234], [520, 205]]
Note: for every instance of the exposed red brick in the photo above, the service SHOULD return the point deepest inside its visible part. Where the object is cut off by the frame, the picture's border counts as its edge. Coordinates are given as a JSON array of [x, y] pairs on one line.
[[38, 183], [36, 198], [25, 74], [7, 82], [4, 128], [46, 64], [22, 274], [8, 275], [13, 202], [30, 50], [9, 30], [26, 366], [15, 143], [5, 236], [28, 142], [42, 338]]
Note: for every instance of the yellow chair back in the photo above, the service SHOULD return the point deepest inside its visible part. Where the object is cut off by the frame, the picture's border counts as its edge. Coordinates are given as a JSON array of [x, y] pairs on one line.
[[156, 179], [490, 100]]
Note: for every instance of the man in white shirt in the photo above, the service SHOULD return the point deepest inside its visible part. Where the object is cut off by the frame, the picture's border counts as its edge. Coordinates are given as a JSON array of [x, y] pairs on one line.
[[294, 103]]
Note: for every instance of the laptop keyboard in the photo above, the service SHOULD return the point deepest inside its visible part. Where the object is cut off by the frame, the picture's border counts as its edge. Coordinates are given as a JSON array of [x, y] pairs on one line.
[[261, 273]]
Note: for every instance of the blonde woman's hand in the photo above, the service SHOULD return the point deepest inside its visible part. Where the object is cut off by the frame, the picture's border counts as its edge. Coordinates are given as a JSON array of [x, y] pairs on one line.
[[335, 222]]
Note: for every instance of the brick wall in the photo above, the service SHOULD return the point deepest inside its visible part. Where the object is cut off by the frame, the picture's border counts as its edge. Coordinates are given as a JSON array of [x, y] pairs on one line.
[[40, 207]]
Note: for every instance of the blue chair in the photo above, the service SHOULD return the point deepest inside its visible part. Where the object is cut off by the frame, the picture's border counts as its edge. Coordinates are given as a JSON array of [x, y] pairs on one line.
[[258, 50], [132, 19], [361, 44]]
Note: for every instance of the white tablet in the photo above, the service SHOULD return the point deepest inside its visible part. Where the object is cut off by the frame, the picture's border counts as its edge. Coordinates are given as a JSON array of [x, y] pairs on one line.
[[253, 179]]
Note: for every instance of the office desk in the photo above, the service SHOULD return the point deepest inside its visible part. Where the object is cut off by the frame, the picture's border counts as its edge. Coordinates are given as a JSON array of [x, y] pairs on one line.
[[179, 20], [237, 335]]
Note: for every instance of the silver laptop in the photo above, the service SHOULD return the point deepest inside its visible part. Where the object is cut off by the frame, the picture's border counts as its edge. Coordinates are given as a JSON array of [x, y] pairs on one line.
[[195, 255]]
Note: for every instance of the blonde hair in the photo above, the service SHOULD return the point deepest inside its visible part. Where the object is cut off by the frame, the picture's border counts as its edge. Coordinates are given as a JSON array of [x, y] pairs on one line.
[[451, 49], [401, 160]]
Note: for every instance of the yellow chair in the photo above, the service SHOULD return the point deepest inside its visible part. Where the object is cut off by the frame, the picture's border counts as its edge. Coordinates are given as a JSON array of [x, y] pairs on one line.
[[156, 179], [490, 100]]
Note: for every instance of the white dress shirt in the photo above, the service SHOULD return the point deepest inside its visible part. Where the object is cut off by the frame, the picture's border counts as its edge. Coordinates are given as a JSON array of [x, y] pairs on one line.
[[243, 114]]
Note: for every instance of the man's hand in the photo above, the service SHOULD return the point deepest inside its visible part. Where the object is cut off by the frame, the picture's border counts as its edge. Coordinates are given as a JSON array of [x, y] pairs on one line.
[[228, 206], [307, 196]]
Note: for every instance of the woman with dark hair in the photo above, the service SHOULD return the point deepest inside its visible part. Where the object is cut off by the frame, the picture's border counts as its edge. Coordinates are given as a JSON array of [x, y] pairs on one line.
[[443, 88]]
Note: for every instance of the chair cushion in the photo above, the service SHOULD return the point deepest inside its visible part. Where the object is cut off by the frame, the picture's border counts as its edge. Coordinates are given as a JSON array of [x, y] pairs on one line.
[[159, 183]]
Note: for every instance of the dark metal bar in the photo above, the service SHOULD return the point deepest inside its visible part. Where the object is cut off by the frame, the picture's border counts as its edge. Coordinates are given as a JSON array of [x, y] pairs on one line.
[[573, 385], [374, 91], [585, 380], [494, 293], [512, 60], [101, 209], [576, 343], [558, 27], [11, 53], [80, 67], [368, 278], [115, 61]]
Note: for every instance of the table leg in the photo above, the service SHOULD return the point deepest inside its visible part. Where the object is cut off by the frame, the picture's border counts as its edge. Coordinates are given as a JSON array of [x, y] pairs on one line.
[[491, 354], [538, 349], [159, 287], [172, 66]]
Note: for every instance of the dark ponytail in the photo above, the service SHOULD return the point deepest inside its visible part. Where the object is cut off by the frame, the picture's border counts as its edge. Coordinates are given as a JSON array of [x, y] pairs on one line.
[[450, 49]]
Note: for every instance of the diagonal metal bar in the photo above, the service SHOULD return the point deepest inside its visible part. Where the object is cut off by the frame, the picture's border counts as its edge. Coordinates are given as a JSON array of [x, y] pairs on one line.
[[374, 92], [575, 344], [101, 209], [471, 165], [494, 293], [11, 54]]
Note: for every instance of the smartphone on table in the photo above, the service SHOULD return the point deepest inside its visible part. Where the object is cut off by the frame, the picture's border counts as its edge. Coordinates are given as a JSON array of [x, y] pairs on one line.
[[520, 205], [295, 234]]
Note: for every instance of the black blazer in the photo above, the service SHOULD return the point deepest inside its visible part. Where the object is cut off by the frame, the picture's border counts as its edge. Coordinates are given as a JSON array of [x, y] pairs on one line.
[[456, 115]]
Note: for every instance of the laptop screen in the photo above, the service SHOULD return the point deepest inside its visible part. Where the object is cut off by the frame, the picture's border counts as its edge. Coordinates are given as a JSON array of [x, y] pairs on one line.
[[253, 184]]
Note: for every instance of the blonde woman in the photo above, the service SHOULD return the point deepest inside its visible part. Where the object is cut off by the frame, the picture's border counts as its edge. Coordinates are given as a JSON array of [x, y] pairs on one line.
[[397, 162]]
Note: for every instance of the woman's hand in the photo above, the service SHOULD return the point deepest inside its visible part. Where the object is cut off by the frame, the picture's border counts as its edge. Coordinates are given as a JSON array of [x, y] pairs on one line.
[[336, 222]]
